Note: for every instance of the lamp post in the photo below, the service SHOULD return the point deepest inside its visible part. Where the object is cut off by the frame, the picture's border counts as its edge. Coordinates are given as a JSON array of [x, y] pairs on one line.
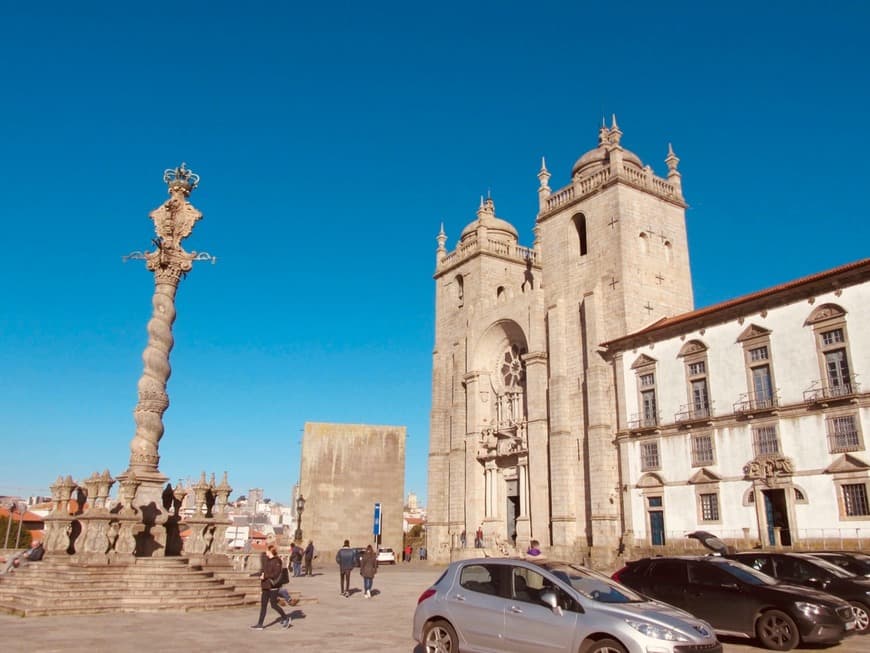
[[300, 507]]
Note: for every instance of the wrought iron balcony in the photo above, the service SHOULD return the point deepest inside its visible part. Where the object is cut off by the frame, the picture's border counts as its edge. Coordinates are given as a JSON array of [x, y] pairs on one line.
[[697, 412], [824, 391], [643, 421], [756, 402]]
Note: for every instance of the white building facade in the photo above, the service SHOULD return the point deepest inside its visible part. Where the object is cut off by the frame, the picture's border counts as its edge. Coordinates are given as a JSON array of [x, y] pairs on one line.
[[748, 419]]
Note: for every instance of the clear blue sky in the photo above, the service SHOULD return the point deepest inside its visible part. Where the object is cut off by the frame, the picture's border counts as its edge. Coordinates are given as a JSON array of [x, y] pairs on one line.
[[332, 141]]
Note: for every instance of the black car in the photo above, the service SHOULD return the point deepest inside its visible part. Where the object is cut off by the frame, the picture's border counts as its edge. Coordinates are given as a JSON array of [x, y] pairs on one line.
[[812, 571], [854, 561], [740, 601]]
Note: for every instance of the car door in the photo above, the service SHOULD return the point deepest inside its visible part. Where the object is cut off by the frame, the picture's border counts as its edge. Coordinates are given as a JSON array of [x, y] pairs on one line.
[[666, 581], [719, 598], [532, 626], [477, 604]]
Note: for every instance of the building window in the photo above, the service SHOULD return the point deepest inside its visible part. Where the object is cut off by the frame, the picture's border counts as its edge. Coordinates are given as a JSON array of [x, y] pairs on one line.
[[460, 289], [702, 450], [580, 226], [843, 434], [649, 456], [709, 504], [832, 343], [694, 355], [765, 440], [759, 370], [648, 415], [855, 499]]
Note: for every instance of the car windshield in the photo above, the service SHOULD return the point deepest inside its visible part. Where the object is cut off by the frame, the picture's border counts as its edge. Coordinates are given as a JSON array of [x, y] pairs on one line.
[[593, 585], [747, 574]]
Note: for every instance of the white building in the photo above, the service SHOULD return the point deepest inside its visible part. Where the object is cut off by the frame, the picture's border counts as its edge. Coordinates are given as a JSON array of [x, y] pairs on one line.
[[747, 418]]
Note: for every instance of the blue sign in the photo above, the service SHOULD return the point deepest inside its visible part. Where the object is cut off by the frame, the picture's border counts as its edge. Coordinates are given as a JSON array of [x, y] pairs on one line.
[[377, 528]]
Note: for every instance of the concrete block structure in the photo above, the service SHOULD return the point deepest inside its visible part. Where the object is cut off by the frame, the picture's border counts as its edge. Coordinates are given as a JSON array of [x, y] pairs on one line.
[[345, 470]]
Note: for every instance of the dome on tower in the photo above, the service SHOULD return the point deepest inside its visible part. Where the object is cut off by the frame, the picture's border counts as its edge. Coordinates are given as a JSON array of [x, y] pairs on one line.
[[495, 227], [594, 160]]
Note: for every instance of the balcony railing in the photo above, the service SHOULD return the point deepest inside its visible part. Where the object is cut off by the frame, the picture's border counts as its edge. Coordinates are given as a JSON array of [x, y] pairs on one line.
[[641, 421], [823, 390], [693, 413], [755, 402]]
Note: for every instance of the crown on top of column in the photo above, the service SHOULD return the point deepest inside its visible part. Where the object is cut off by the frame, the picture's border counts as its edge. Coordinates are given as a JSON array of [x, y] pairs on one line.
[[181, 179]]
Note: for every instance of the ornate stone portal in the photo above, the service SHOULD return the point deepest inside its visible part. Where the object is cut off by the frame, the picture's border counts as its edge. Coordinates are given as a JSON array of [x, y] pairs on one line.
[[145, 520]]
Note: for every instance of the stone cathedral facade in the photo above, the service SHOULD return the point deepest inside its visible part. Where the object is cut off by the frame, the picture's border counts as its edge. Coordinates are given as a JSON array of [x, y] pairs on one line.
[[523, 399]]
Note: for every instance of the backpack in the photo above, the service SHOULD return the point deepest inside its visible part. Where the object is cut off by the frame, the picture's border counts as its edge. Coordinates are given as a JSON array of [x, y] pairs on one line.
[[285, 576]]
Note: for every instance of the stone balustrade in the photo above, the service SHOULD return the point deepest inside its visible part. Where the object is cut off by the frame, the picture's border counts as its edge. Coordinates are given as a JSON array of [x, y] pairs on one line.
[[473, 245]]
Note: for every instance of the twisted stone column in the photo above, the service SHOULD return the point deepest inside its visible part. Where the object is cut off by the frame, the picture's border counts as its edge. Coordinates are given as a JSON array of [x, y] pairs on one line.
[[173, 222]]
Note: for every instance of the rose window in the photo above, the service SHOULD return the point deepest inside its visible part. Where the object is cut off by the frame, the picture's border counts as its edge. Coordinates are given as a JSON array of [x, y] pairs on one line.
[[512, 371]]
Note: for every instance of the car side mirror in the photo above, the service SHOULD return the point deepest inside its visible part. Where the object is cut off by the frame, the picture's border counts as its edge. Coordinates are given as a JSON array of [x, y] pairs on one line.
[[548, 597]]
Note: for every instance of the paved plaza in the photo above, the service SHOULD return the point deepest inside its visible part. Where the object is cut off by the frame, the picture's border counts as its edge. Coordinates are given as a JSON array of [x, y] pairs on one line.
[[334, 623]]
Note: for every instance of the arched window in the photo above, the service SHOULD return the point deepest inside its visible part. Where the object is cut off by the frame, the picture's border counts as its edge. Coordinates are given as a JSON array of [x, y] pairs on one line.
[[580, 226], [499, 293], [460, 288]]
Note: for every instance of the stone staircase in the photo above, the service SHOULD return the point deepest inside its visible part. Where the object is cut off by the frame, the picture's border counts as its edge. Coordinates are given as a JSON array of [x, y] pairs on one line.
[[55, 587]]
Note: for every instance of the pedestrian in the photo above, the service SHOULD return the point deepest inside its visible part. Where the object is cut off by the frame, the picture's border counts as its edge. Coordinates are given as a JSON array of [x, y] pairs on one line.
[[534, 551], [462, 539], [368, 567], [296, 559], [407, 553], [308, 557], [422, 553], [345, 559], [478, 537], [270, 582]]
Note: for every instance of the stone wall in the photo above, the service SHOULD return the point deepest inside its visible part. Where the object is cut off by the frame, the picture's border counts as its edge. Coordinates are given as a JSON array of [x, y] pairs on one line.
[[345, 470]]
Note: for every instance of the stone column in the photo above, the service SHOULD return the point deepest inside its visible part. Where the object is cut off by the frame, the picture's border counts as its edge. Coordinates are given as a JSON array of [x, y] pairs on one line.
[[538, 449], [173, 222]]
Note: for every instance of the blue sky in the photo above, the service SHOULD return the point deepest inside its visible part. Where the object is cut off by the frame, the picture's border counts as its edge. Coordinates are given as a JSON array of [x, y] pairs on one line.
[[332, 142]]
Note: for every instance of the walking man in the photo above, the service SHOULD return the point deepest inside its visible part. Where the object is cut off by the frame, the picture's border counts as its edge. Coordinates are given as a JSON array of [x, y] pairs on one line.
[[308, 557], [345, 559]]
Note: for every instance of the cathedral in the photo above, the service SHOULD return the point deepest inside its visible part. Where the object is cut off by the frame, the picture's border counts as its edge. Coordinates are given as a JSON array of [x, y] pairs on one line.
[[539, 414]]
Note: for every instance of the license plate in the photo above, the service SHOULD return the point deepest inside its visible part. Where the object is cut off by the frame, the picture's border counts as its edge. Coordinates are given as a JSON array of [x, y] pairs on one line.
[[850, 625]]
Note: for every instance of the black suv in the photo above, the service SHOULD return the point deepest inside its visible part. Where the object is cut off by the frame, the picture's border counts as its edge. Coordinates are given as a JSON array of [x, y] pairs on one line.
[[739, 601], [813, 571], [857, 563]]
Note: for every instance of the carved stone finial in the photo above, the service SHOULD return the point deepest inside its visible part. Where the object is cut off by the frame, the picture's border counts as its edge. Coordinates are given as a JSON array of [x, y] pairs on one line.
[[672, 159], [544, 174], [615, 132], [181, 179]]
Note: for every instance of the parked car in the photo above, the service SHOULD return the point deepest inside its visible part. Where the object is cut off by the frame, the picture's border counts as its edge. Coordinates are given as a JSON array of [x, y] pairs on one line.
[[518, 606], [813, 571], [854, 561], [386, 556], [740, 601]]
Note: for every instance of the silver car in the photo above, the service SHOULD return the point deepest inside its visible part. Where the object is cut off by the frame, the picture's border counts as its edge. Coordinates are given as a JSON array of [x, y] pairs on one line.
[[519, 606]]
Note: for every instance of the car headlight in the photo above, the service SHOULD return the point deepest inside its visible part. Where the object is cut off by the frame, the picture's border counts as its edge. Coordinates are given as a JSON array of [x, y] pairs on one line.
[[810, 608], [656, 631]]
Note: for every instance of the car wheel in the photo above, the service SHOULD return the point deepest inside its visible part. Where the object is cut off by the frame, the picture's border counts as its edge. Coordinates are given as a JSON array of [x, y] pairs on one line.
[[439, 637], [862, 617], [602, 646], [777, 631]]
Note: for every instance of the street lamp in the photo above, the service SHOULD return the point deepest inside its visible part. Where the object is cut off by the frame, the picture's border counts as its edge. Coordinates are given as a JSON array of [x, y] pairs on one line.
[[300, 507]]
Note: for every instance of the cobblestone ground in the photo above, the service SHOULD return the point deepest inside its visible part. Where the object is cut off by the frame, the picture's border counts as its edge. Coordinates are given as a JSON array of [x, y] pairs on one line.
[[333, 624]]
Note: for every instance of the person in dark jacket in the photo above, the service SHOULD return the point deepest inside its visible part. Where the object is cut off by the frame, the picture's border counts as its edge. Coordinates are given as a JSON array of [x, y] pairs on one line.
[[346, 559], [270, 582], [308, 558], [368, 567], [296, 559]]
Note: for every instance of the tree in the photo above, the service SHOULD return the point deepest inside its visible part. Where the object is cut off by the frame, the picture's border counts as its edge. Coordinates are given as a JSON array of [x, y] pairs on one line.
[[416, 531]]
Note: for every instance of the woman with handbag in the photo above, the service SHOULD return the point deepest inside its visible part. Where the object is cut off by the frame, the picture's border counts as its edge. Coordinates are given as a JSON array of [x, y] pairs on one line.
[[270, 582]]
